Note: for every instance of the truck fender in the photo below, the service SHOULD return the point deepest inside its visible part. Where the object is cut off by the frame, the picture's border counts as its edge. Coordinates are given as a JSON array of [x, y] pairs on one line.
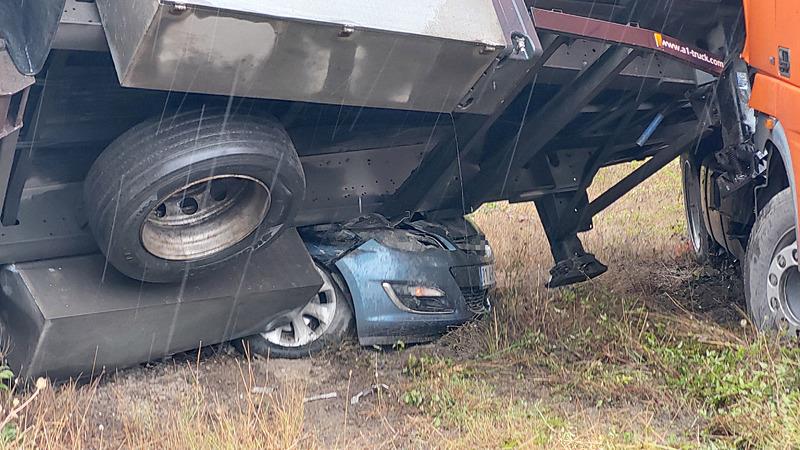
[[770, 131]]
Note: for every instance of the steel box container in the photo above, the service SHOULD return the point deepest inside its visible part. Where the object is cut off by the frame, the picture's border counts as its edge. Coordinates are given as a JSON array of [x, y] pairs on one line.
[[416, 54]]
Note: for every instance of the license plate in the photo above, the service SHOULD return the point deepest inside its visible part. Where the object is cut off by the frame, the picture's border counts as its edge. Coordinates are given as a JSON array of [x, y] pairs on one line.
[[487, 276]]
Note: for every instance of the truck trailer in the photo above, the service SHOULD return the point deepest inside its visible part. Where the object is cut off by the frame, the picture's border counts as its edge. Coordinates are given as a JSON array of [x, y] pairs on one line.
[[158, 157]]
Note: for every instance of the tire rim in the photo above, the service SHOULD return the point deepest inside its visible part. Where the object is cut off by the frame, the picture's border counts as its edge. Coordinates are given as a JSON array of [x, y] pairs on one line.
[[693, 219], [783, 282], [205, 217], [312, 322]]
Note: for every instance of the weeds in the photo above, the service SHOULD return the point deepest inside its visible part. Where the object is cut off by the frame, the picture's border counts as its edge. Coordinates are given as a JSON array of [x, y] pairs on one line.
[[650, 355]]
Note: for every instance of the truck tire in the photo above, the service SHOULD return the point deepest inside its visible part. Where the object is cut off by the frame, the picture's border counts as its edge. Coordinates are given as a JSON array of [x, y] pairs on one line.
[[697, 232], [771, 276], [188, 193], [326, 322]]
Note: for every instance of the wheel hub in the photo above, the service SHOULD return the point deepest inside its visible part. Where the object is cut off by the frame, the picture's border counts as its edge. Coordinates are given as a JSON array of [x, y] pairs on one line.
[[205, 217], [312, 322], [783, 287]]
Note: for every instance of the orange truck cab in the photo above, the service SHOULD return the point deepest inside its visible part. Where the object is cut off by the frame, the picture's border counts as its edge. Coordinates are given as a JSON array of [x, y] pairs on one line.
[[771, 38], [741, 197]]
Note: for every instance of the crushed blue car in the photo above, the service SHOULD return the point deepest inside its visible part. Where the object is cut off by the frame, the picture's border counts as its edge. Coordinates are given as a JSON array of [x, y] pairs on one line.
[[409, 281]]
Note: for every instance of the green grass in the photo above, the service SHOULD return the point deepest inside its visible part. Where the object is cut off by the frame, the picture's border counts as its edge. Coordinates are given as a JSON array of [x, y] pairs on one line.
[[629, 359], [654, 354]]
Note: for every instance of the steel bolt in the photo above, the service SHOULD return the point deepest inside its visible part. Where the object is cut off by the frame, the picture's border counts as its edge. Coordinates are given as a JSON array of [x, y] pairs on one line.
[[177, 8], [519, 44], [347, 31]]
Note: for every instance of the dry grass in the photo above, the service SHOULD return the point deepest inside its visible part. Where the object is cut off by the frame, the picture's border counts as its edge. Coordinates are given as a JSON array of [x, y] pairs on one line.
[[651, 355], [188, 414], [655, 353]]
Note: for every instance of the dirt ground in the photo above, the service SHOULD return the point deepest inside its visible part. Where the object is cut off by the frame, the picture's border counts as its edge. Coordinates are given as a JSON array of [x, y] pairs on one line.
[[381, 419], [657, 353]]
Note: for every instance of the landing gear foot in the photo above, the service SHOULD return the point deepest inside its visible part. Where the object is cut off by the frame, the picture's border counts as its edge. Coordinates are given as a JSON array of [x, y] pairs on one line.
[[576, 269]]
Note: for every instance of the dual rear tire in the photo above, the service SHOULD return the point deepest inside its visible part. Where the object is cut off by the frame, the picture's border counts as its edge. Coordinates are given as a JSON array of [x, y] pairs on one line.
[[770, 263], [191, 192], [696, 229]]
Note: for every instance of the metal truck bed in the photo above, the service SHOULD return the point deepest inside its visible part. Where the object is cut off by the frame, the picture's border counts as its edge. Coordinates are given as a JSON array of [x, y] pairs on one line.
[[422, 55]]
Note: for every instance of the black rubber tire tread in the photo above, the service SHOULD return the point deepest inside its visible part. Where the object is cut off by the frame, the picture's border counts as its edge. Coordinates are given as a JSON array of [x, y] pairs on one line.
[[341, 329], [772, 223], [148, 161], [690, 179]]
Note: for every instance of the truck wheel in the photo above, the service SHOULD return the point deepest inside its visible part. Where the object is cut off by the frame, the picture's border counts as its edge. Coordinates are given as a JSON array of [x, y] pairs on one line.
[[326, 321], [695, 218], [771, 276], [191, 192]]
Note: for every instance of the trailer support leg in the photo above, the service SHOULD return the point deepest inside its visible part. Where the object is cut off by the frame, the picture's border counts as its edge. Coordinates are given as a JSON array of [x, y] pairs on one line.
[[560, 213], [573, 263]]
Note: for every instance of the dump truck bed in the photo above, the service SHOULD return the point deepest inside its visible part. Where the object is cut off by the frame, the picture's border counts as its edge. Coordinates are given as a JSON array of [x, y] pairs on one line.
[[423, 55]]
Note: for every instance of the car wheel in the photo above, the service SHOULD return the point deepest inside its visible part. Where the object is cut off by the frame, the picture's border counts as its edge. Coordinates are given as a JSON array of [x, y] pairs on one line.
[[191, 192], [325, 322], [696, 229], [772, 279]]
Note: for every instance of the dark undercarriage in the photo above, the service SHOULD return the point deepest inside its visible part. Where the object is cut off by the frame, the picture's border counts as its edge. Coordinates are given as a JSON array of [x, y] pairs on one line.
[[592, 97]]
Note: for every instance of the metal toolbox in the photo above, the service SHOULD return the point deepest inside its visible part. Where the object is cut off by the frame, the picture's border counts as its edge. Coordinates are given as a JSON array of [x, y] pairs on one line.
[[416, 54]]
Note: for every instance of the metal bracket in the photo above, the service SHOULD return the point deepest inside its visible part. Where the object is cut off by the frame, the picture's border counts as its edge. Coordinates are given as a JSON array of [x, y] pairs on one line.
[[645, 171], [542, 127], [497, 85], [14, 90]]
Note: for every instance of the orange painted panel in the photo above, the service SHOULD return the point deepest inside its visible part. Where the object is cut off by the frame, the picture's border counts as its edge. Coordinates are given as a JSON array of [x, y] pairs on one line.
[[771, 25], [761, 39], [780, 99]]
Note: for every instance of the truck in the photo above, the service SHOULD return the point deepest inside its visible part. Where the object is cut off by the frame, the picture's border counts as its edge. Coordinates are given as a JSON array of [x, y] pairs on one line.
[[741, 198], [159, 159]]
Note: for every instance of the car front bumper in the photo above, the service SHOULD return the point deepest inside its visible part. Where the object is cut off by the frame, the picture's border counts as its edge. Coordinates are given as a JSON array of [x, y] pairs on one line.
[[455, 272]]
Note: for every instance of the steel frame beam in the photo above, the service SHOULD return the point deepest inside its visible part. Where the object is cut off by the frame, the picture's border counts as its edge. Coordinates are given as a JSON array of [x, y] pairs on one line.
[[440, 164], [645, 171], [627, 35], [594, 164], [565, 106]]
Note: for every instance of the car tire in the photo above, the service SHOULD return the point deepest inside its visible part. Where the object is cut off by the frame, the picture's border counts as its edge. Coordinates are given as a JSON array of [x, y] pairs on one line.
[[771, 276], [702, 245], [283, 342], [190, 192]]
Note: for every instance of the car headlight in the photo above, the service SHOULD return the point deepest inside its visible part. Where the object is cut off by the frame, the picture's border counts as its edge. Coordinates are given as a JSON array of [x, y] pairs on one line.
[[418, 299]]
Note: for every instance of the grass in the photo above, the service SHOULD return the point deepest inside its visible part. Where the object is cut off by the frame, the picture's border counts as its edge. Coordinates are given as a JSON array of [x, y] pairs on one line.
[[655, 354], [633, 341], [194, 418]]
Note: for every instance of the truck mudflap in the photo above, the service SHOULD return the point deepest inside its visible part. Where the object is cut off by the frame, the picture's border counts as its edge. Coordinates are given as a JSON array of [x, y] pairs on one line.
[[74, 316], [28, 28]]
